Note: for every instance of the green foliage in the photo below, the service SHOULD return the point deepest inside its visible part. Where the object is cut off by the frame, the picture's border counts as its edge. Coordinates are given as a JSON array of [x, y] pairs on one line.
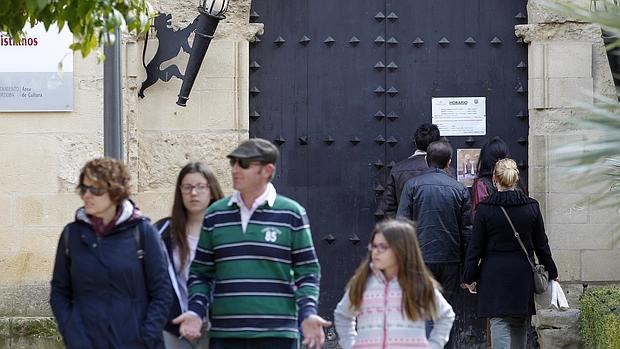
[[34, 328], [600, 318], [92, 22], [29, 332], [605, 13], [597, 160]]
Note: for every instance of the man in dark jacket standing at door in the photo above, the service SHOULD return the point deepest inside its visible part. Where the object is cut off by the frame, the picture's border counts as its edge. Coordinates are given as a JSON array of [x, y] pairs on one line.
[[409, 168], [441, 208]]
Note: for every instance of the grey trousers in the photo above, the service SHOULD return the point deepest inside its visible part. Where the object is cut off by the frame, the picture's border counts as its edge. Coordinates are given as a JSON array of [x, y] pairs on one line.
[[509, 332]]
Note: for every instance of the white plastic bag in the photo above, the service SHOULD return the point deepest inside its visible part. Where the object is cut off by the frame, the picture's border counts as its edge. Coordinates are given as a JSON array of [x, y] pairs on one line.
[[552, 298]]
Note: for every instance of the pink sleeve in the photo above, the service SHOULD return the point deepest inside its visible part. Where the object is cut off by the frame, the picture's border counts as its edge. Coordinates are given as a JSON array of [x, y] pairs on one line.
[[479, 193]]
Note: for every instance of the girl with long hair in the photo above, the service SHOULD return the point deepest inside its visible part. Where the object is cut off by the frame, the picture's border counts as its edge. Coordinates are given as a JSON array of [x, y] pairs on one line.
[[392, 294], [492, 151], [196, 189]]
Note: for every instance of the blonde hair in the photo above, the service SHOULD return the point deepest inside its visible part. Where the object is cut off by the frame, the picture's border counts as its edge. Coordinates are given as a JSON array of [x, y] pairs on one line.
[[506, 172]]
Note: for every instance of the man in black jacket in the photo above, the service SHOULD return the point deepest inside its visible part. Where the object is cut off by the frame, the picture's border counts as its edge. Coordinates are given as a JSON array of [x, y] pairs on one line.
[[441, 208], [411, 167]]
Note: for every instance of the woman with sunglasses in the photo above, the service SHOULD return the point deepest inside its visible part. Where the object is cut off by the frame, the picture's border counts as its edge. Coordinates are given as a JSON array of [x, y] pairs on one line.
[[196, 188], [109, 285]]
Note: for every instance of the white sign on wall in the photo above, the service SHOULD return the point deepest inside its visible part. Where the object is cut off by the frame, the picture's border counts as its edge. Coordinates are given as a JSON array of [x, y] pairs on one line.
[[460, 116], [36, 74]]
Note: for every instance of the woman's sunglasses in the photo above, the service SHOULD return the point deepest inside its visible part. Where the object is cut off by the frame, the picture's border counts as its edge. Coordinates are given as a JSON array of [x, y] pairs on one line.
[[97, 191]]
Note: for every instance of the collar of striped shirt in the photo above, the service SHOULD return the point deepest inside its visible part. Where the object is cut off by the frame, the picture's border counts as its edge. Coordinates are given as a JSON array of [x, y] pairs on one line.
[[269, 196]]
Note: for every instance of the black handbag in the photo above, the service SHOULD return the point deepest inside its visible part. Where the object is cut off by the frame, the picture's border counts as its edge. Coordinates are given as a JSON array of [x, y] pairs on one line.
[[541, 275]]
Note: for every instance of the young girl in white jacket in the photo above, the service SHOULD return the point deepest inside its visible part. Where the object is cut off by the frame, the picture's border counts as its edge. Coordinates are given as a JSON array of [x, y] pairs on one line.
[[391, 295]]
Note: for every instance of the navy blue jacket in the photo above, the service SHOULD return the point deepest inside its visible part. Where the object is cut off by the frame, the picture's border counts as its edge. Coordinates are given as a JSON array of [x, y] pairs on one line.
[[441, 208], [103, 296]]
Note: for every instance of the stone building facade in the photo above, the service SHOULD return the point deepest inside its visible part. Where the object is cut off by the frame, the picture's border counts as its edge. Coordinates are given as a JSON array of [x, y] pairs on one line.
[[43, 152], [568, 67]]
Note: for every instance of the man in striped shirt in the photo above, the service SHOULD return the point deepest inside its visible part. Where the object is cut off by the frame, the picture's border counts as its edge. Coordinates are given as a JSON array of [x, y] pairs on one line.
[[255, 267]]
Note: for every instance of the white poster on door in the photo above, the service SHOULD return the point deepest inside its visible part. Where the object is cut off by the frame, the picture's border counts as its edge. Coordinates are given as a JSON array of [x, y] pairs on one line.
[[36, 73], [460, 116]]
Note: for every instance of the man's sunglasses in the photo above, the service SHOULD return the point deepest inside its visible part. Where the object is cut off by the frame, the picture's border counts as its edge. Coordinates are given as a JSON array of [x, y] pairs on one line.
[[97, 191], [244, 163]]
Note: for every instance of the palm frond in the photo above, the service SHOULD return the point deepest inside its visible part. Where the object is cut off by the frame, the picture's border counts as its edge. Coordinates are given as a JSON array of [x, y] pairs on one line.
[[606, 15]]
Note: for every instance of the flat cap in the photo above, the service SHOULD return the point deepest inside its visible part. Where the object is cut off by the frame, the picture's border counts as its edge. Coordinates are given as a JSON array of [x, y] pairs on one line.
[[256, 149]]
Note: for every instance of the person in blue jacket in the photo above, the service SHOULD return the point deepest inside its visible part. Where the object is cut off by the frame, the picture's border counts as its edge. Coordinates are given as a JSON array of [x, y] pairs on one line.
[[109, 288], [196, 189]]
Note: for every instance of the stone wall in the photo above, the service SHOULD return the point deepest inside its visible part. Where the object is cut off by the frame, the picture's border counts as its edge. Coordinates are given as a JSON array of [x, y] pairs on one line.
[[43, 152], [568, 67], [163, 137], [41, 156]]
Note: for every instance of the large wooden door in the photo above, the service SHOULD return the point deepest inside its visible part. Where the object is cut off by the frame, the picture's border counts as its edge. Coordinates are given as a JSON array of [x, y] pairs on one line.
[[340, 87]]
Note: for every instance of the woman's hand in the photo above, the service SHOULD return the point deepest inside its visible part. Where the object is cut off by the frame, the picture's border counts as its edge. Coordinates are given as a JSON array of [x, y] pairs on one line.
[[470, 287], [191, 325]]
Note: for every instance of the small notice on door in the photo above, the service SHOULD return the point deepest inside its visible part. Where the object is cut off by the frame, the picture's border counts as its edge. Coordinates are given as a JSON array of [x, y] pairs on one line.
[[460, 116]]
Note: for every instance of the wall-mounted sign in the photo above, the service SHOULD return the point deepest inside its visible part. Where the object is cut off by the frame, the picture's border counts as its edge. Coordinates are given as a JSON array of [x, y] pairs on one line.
[[36, 74], [467, 165], [460, 116]]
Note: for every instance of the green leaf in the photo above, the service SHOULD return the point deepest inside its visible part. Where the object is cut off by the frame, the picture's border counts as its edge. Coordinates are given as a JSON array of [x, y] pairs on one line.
[[84, 7], [32, 6], [88, 20], [42, 3]]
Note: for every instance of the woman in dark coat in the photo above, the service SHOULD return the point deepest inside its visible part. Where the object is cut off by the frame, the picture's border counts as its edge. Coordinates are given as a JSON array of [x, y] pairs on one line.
[[110, 288], [496, 265]]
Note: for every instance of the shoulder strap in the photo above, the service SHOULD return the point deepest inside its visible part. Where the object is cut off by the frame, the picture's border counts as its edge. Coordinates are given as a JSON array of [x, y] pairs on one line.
[[518, 238], [138, 235], [65, 237], [163, 227]]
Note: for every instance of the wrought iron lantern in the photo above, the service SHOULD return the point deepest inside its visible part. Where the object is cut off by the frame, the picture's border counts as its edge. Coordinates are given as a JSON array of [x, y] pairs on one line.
[[211, 13]]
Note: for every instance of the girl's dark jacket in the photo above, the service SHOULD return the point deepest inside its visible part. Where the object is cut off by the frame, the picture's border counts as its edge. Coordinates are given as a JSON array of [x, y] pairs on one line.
[[504, 276], [103, 296]]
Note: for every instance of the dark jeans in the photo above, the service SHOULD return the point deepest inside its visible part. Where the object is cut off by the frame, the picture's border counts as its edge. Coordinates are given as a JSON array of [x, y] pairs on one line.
[[449, 276], [253, 343]]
